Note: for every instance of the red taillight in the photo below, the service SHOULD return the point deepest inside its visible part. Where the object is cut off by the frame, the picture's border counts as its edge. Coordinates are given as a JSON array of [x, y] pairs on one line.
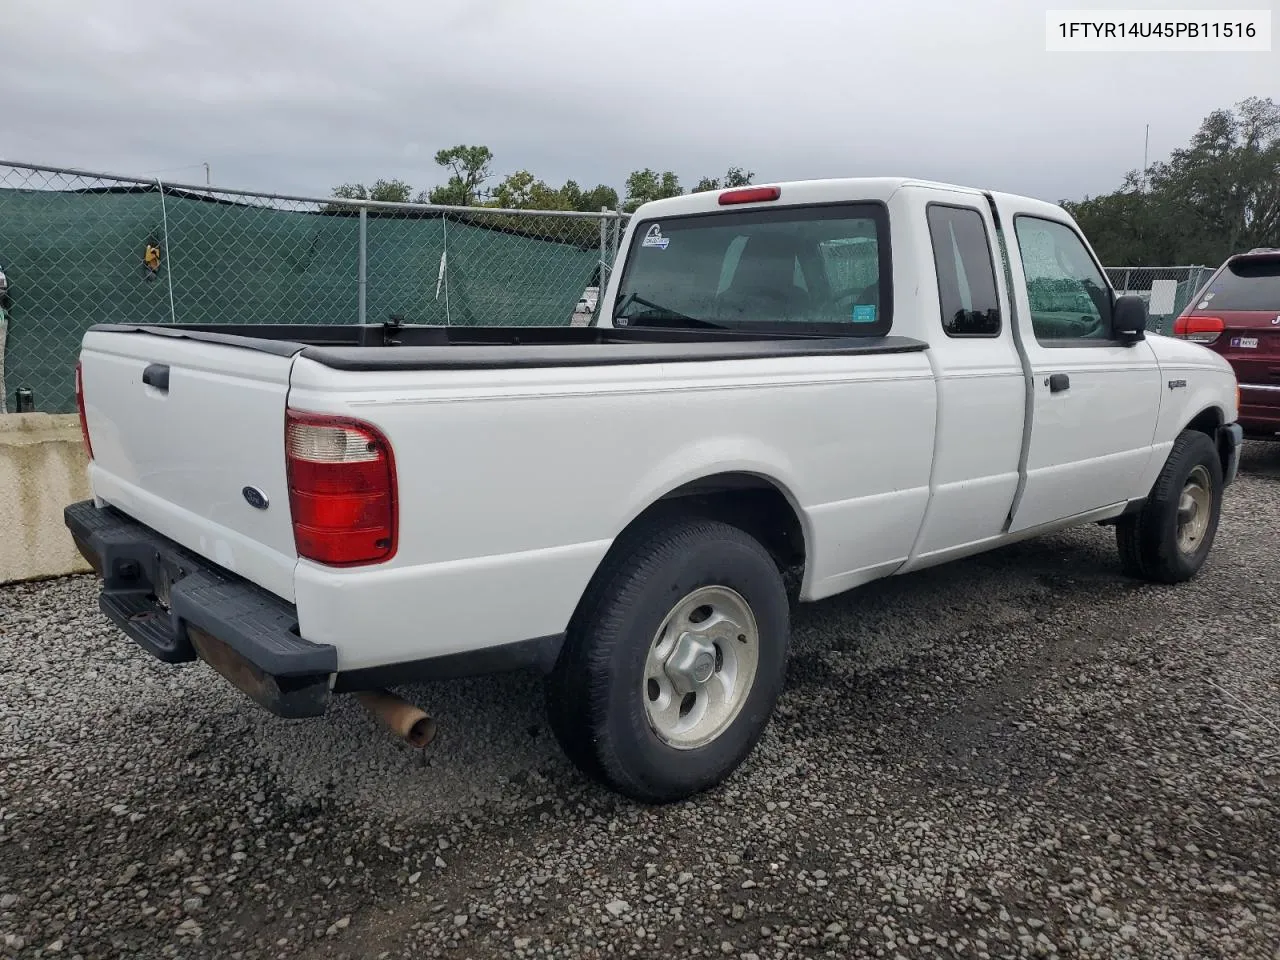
[[342, 490], [84, 421], [1198, 329], [749, 195]]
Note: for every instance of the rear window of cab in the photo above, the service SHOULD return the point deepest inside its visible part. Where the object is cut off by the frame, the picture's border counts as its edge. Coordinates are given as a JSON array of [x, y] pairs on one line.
[[821, 269]]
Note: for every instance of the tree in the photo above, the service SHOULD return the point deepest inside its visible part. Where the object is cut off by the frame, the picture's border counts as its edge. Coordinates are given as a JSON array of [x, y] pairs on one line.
[[596, 198], [516, 190], [588, 201], [1227, 181], [646, 185], [572, 195], [386, 191], [523, 191], [1217, 196], [470, 167], [575, 198], [735, 177]]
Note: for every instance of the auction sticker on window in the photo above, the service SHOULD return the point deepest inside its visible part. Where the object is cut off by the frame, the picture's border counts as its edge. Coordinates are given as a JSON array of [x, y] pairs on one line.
[[654, 238], [1158, 31], [864, 313]]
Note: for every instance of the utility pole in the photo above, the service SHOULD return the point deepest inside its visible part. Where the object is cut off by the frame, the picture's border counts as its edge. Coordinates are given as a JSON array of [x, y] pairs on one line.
[[206, 174], [1146, 143]]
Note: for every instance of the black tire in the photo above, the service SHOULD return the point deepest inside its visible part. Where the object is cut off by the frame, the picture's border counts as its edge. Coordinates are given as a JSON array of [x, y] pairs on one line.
[[595, 699], [1148, 540]]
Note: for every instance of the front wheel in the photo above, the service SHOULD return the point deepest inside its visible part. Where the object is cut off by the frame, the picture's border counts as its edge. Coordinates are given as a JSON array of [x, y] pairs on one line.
[[1169, 539], [674, 661]]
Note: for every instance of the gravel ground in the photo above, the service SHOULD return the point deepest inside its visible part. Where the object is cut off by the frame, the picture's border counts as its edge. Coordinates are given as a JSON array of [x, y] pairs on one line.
[[1021, 755]]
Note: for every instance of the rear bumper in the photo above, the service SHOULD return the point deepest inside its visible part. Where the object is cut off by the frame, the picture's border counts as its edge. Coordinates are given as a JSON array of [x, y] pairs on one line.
[[1230, 440], [177, 606]]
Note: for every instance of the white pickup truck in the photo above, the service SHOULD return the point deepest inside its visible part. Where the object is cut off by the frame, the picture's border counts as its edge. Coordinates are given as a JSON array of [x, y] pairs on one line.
[[791, 390]]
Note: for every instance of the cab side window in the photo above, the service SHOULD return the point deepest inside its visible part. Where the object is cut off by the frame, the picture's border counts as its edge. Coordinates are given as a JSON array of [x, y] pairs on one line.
[[1067, 293], [966, 274]]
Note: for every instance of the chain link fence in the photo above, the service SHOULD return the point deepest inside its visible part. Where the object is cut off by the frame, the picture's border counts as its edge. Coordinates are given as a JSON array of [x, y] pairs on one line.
[[80, 248], [1167, 290]]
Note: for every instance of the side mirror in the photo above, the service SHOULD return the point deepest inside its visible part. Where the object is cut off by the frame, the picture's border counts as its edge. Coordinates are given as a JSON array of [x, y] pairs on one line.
[[1129, 319]]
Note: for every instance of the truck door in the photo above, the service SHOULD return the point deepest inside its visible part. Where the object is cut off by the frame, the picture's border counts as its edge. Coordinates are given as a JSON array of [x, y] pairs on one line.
[[1094, 399], [981, 383]]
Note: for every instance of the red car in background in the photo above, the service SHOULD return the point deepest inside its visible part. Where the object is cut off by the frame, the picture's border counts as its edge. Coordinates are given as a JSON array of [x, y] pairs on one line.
[[1237, 314]]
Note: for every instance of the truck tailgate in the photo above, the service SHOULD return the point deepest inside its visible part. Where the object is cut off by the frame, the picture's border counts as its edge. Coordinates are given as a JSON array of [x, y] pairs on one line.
[[180, 459]]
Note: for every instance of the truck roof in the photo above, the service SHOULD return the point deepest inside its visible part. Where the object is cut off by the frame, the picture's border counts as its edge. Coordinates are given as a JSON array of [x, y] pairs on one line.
[[806, 191], [836, 190]]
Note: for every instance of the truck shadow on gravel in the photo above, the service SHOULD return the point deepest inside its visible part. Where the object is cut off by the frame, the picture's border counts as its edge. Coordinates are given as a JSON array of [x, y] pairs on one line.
[[853, 659], [932, 660], [1261, 459]]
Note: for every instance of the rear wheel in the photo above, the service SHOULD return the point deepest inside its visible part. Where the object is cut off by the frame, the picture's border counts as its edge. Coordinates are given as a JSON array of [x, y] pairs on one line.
[[674, 662], [1169, 539]]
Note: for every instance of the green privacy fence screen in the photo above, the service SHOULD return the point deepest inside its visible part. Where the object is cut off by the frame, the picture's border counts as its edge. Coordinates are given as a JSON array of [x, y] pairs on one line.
[[74, 248]]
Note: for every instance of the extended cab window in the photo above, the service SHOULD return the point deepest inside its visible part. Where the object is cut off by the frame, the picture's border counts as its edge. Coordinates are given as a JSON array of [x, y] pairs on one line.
[[820, 269], [966, 274], [1068, 296]]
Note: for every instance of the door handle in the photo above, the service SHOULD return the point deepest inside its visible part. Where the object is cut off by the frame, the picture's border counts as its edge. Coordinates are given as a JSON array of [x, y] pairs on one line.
[[1058, 382], [157, 375]]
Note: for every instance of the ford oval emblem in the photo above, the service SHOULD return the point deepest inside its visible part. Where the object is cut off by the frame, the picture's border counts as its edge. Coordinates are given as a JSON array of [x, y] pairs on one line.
[[255, 498]]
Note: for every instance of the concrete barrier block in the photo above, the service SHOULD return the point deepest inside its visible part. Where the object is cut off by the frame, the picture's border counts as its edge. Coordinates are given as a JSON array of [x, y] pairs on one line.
[[42, 469]]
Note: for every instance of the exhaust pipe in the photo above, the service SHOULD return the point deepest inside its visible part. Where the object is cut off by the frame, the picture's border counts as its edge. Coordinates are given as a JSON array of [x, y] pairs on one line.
[[402, 718]]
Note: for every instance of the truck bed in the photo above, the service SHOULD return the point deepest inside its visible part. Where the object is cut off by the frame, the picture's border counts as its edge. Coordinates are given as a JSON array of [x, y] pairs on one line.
[[518, 456], [388, 347]]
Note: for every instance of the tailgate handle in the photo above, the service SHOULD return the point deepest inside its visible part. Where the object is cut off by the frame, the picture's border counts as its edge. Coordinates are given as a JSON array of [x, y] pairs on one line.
[[157, 375]]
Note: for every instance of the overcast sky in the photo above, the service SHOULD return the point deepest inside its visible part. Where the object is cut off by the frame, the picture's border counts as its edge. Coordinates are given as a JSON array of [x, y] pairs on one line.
[[300, 95]]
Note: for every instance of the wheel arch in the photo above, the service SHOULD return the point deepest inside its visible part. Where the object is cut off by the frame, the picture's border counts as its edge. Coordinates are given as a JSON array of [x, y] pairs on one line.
[[754, 502], [1210, 421]]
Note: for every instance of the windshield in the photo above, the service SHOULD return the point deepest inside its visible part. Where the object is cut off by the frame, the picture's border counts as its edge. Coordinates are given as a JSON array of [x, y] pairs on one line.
[[820, 268], [1251, 284]]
